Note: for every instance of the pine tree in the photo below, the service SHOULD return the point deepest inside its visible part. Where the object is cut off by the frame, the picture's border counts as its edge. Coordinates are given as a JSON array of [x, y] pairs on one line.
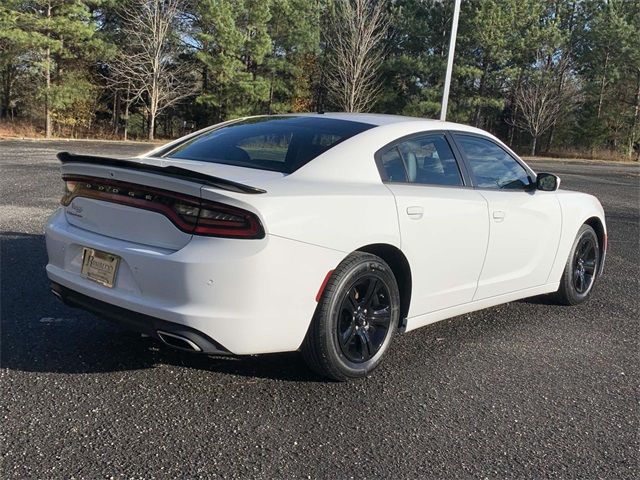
[[609, 62], [60, 41], [413, 72], [291, 65], [233, 42]]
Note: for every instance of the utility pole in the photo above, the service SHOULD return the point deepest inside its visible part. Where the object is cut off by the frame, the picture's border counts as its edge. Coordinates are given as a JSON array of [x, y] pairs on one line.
[[452, 49]]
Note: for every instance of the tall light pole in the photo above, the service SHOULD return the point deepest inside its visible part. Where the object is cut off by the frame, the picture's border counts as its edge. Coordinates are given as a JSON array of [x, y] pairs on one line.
[[452, 49]]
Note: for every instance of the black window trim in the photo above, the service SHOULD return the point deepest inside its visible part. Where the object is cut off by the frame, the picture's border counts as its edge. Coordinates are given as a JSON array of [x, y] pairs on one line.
[[467, 181], [465, 159]]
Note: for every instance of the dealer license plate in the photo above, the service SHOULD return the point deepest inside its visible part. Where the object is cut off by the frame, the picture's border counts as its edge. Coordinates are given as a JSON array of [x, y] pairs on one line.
[[99, 266]]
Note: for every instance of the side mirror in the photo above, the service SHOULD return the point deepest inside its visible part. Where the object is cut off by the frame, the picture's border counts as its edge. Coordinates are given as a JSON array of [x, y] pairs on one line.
[[547, 182]]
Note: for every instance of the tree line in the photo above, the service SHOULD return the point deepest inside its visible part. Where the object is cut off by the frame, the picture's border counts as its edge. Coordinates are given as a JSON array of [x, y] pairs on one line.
[[544, 75]]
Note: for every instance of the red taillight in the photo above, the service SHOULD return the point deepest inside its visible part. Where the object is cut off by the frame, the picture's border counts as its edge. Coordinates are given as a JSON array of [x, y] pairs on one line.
[[219, 220], [189, 214]]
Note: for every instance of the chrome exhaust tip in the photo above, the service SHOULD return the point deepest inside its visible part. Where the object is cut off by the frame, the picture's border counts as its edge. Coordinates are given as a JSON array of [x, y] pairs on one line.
[[177, 341]]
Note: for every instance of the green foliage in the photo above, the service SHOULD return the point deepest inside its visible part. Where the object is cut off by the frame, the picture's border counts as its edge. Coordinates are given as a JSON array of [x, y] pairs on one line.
[[267, 56], [414, 71], [73, 101], [254, 54], [52, 44], [234, 42], [608, 59]]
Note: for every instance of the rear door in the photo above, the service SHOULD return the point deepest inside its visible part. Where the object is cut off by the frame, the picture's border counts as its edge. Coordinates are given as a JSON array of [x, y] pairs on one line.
[[524, 222], [443, 222]]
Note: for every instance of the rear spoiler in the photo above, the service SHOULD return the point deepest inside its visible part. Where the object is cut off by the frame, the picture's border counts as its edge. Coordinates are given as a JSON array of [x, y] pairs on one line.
[[169, 171]]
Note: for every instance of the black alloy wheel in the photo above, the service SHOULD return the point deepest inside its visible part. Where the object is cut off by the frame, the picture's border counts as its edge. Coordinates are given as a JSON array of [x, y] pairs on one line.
[[582, 268], [365, 317], [357, 316], [584, 264]]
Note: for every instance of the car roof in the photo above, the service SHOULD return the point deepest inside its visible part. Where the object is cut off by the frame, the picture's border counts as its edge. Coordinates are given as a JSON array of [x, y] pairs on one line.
[[376, 119], [381, 119]]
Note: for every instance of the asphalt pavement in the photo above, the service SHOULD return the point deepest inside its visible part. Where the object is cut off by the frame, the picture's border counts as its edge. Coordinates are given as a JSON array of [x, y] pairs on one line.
[[524, 390]]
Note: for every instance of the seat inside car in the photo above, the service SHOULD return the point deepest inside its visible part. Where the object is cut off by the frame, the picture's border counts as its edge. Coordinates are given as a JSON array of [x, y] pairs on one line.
[[439, 166], [412, 166]]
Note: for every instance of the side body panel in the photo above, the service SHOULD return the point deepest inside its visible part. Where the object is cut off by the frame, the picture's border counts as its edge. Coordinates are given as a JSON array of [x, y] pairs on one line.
[[445, 244], [342, 216], [576, 209], [524, 231], [422, 320]]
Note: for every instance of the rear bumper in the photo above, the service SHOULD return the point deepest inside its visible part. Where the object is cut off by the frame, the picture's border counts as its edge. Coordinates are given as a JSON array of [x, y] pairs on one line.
[[161, 330], [247, 296]]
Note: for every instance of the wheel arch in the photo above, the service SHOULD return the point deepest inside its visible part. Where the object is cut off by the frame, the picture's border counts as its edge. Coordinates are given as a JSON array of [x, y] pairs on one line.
[[598, 227], [401, 269]]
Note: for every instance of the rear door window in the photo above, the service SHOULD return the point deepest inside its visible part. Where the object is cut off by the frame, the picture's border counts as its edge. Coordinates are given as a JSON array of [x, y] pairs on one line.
[[424, 159], [392, 166]]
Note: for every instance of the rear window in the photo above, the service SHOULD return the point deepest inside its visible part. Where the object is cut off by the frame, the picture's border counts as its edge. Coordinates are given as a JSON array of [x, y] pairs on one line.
[[281, 144]]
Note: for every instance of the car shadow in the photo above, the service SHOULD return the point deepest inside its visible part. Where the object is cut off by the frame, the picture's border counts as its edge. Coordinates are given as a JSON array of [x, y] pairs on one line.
[[546, 299], [40, 334]]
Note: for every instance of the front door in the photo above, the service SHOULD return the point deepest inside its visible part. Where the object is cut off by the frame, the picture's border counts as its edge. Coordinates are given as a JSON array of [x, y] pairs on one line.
[[524, 223]]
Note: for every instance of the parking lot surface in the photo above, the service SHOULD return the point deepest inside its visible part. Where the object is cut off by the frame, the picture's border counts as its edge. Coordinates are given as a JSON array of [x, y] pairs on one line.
[[524, 390]]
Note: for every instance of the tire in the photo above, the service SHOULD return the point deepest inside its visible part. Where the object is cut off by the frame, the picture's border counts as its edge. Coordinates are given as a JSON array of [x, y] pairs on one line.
[[581, 270], [356, 319]]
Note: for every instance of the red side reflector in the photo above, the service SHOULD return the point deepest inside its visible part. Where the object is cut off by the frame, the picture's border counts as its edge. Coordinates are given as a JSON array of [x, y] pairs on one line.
[[324, 284]]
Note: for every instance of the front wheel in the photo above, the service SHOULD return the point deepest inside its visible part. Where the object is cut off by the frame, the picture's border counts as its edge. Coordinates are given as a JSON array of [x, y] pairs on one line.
[[582, 268], [355, 320]]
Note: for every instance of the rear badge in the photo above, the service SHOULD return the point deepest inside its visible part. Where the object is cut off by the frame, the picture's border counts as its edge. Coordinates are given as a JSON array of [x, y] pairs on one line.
[[75, 210]]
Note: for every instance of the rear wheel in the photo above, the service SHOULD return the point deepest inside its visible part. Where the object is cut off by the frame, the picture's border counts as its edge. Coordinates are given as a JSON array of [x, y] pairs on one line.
[[581, 270], [356, 319]]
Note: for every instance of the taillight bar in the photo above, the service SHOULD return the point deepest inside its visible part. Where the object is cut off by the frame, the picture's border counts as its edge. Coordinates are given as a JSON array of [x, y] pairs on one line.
[[189, 214]]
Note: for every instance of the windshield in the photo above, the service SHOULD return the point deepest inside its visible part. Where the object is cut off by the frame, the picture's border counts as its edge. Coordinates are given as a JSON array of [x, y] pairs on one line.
[[281, 144]]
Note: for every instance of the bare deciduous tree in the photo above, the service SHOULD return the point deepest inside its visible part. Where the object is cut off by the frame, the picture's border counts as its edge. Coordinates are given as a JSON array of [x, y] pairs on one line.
[[542, 97], [149, 69], [354, 42]]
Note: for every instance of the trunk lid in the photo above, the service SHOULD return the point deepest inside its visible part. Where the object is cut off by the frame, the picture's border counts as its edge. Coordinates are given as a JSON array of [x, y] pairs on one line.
[[133, 199]]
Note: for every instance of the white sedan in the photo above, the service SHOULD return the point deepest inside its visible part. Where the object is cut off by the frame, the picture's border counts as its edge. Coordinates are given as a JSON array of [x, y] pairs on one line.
[[325, 233]]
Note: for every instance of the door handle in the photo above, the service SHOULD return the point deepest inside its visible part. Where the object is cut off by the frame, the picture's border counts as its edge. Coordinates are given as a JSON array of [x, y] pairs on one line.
[[415, 212], [498, 215]]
